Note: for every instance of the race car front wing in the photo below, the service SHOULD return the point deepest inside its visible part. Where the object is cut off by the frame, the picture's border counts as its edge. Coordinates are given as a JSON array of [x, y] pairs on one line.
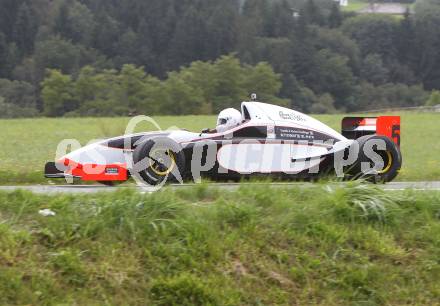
[[87, 172]]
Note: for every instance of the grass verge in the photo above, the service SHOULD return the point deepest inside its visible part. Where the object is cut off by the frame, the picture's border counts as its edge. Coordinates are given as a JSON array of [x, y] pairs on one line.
[[347, 245]]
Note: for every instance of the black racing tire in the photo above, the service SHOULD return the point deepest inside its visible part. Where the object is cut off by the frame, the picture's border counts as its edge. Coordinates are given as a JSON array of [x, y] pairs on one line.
[[150, 170], [391, 157]]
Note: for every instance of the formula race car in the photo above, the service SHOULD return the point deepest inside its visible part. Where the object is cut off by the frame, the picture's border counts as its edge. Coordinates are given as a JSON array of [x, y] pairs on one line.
[[262, 139]]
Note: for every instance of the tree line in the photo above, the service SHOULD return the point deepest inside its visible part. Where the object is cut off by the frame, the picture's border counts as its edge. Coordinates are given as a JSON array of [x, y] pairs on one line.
[[201, 88], [100, 57]]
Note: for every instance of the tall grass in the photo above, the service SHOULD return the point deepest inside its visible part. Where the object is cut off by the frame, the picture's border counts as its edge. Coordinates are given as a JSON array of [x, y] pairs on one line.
[[327, 245]]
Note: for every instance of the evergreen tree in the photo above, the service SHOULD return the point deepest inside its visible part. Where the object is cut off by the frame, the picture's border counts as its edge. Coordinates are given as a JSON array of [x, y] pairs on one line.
[[427, 44], [188, 43], [405, 39], [81, 24], [164, 24], [106, 34], [145, 47], [62, 19], [373, 33], [335, 17], [256, 13], [25, 29], [222, 29], [4, 53], [373, 70], [281, 20], [312, 13], [127, 49], [8, 15]]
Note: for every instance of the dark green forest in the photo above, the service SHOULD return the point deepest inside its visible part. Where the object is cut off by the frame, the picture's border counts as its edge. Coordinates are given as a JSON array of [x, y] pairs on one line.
[[121, 57]]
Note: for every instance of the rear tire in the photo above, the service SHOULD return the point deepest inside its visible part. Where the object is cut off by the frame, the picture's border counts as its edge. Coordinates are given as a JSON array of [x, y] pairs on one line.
[[391, 156]]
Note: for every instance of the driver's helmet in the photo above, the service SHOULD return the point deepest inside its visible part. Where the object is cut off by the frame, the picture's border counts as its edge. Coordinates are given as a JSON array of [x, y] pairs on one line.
[[228, 119]]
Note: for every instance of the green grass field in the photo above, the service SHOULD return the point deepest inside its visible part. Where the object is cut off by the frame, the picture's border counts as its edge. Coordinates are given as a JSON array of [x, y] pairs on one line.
[[27, 144], [354, 5], [357, 5], [350, 245]]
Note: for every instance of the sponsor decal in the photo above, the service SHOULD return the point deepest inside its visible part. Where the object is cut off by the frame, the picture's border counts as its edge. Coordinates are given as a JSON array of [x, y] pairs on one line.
[[114, 171], [291, 133], [291, 116], [296, 134]]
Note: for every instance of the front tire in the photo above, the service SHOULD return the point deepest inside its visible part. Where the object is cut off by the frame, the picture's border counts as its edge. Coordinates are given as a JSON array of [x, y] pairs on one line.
[[158, 160]]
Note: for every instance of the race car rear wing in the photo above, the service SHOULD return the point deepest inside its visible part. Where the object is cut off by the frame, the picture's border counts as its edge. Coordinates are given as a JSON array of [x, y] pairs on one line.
[[355, 127]]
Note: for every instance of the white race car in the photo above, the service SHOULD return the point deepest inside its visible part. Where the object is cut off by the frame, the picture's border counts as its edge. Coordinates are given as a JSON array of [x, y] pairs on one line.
[[262, 139]]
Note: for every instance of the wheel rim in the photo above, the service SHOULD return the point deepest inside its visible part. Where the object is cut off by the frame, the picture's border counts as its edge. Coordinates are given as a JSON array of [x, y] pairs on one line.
[[388, 163], [158, 162]]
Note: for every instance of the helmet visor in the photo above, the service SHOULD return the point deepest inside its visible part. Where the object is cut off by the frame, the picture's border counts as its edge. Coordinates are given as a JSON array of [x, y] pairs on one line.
[[222, 121]]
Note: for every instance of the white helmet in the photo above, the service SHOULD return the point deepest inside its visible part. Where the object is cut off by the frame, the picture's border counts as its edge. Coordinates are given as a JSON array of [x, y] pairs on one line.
[[227, 119]]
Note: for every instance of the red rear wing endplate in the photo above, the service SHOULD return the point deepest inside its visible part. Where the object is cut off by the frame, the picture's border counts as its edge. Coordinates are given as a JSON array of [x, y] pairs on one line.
[[389, 126], [354, 127]]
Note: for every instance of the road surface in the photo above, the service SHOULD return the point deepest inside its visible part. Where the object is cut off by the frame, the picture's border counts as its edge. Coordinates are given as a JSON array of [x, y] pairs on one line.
[[84, 189]]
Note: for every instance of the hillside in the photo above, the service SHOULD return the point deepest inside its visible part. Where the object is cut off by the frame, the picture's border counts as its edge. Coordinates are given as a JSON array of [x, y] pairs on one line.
[[325, 59]]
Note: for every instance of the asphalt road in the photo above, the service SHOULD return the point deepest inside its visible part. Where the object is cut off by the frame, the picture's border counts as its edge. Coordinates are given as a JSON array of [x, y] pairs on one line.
[[84, 189]]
